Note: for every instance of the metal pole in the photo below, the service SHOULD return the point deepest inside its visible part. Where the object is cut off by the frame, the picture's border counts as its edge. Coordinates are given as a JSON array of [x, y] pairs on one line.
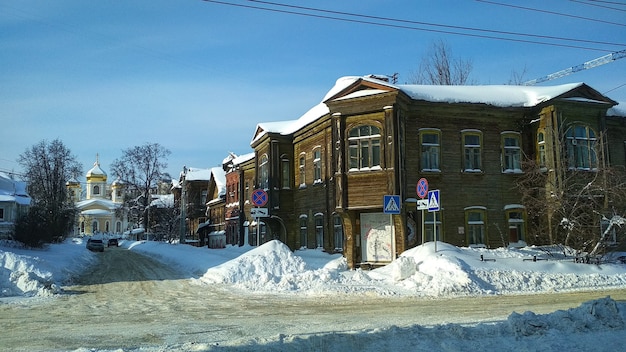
[[435, 229]]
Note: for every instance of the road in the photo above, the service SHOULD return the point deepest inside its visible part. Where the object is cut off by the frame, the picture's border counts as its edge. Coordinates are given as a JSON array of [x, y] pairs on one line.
[[132, 301]]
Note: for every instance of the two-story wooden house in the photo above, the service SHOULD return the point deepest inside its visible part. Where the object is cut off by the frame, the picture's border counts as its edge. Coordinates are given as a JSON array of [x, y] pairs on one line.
[[327, 172]]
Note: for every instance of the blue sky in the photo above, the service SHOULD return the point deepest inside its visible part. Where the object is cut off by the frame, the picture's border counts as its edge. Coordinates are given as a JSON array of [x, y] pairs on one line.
[[197, 76]]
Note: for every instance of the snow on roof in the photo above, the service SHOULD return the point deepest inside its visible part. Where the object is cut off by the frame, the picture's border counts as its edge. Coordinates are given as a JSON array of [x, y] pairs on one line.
[[219, 177], [496, 95], [243, 158], [197, 174], [13, 191], [618, 110]]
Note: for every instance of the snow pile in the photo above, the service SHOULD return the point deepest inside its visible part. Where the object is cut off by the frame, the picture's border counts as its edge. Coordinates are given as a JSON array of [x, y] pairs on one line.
[[29, 273], [273, 268]]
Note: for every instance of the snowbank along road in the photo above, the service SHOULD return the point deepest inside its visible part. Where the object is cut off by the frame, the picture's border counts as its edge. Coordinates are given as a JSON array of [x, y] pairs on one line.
[[132, 301]]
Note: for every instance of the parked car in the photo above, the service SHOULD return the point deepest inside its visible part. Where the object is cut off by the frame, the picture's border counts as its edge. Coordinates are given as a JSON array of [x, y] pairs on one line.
[[95, 245], [113, 242]]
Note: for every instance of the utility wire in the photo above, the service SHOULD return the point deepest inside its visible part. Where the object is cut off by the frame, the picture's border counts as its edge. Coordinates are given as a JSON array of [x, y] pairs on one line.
[[598, 5], [407, 27], [434, 24], [552, 12]]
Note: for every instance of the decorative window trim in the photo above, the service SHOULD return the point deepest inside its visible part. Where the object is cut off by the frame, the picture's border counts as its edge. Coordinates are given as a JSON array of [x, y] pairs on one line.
[[581, 150], [302, 170], [511, 151], [317, 165], [476, 152], [437, 153], [264, 172], [478, 224], [364, 150]]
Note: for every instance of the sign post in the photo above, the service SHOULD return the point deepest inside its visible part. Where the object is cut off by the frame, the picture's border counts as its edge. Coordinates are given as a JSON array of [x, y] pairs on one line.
[[259, 198], [422, 204], [434, 205]]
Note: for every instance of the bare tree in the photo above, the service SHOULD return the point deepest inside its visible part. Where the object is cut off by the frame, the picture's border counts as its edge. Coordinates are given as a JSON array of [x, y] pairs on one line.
[[517, 77], [48, 166], [566, 206], [140, 168], [440, 67]]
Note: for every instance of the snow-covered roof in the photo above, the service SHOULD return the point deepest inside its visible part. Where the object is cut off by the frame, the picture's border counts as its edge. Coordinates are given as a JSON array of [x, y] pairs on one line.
[[618, 110], [496, 95], [243, 158], [105, 203], [13, 190], [197, 174], [219, 177]]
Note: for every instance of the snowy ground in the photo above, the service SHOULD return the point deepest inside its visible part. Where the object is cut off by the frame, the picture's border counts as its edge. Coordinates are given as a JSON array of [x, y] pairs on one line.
[[422, 271]]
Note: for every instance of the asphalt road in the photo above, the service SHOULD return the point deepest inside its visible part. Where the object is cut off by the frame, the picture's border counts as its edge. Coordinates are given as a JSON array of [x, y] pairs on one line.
[[132, 301]]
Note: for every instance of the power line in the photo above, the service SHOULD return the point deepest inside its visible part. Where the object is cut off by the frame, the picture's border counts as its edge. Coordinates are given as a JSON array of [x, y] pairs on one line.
[[435, 24], [290, 12], [601, 6], [552, 13]]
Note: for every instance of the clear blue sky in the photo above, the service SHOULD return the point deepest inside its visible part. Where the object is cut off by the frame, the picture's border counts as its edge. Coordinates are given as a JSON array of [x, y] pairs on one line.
[[197, 76]]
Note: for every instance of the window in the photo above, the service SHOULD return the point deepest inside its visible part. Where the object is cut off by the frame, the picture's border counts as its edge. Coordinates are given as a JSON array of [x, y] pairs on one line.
[[302, 170], [264, 172], [475, 225], [338, 233], [364, 147], [118, 227], [541, 149], [471, 150], [516, 223], [303, 231], [247, 190], [107, 227], [581, 147], [96, 190], [317, 165], [94, 227], [2, 214], [203, 197], [319, 231], [430, 148], [432, 223], [511, 152], [285, 172]]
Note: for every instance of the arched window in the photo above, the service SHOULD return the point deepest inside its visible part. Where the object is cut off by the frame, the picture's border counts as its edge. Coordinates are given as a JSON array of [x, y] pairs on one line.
[[264, 172], [511, 152], [472, 150], [319, 230], [364, 147], [96, 190], [118, 227], [107, 227], [302, 170], [303, 231], [94, 226], [338, 233], [317, 165], [515, 218], [475, 223], [430, 141], [581, 147], [285, 172]]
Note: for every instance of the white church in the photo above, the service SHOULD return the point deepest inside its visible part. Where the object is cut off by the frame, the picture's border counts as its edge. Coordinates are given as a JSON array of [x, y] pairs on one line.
[[97, 211]]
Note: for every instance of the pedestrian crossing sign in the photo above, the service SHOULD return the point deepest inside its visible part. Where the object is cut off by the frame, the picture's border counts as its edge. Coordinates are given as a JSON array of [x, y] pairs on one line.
[[433, 200], [391, 204]]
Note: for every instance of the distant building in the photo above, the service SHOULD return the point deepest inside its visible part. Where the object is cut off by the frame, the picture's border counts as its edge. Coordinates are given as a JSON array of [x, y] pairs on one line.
[[14, 201], [99, 211]]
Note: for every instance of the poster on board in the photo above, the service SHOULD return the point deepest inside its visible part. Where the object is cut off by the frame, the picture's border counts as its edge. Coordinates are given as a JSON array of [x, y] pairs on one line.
[[376, 238]]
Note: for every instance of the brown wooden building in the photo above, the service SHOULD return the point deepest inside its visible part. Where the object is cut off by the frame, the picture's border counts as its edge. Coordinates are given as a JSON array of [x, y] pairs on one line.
[[327, 172]]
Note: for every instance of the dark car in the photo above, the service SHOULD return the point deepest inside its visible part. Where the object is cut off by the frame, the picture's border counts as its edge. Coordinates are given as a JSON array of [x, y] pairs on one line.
[[95, 245], [113, 242]]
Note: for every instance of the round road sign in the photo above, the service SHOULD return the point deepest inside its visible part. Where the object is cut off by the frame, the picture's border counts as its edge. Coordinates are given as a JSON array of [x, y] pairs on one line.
[[259, 197], [422, 188]]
